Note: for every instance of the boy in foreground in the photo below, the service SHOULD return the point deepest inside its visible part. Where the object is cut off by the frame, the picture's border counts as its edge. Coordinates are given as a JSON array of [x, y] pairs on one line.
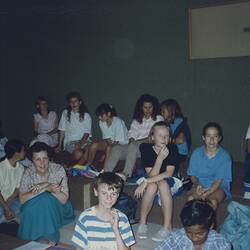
[[103, 227]]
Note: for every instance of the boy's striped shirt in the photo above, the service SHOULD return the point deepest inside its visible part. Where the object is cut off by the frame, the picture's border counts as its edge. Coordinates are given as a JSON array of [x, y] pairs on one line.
[[96, 234]]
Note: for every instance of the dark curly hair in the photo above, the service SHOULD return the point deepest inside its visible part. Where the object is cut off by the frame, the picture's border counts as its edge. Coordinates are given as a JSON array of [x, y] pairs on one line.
[[82, 108], [138, 112], [197, 212], [38, 147], [13, 146]]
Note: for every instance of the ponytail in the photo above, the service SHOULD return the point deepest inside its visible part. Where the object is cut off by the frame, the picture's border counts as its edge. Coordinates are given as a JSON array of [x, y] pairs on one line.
[[104, 109]]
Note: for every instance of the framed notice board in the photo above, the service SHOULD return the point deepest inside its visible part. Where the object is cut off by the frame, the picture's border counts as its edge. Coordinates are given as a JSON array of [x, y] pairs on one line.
[[219, 30]]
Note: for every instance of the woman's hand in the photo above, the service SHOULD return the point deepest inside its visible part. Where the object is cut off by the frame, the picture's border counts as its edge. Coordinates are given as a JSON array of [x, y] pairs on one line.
[[163, 154], [54, 188], [140, 189], [38, 188]]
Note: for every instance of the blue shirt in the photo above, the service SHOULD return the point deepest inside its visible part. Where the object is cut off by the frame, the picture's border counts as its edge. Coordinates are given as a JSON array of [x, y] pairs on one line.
[[208, 170], [182, 148], [178, 240]]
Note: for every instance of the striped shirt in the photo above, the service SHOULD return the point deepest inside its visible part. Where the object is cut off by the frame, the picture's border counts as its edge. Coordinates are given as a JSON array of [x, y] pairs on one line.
[[93, 233], [178, 240]]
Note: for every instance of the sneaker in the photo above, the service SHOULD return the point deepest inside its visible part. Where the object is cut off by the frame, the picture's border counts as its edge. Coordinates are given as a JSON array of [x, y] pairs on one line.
[[131, 181], [161, 235], [142, 231], [122, 175]]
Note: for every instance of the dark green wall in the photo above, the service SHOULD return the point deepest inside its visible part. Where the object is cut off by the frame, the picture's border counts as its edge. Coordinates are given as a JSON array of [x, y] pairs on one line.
[[114, 51]]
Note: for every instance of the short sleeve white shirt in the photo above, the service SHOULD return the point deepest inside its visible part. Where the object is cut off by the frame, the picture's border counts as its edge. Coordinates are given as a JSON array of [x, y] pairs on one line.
[[76, 127], [45, 125], [10, 177], [117, 131], [141, 130]]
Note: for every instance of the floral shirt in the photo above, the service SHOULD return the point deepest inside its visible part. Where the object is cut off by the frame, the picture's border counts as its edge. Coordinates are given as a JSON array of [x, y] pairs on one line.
[[56, 173]]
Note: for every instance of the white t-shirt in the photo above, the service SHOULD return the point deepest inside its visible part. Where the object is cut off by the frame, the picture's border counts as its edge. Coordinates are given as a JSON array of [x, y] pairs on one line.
[[141, 130], [117, 132], [248, 133], [75, 128], [44, 126], [10, 177]]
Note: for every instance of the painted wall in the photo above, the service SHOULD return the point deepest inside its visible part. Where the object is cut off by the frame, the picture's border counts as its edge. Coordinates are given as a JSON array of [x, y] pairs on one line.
[[114, 51]]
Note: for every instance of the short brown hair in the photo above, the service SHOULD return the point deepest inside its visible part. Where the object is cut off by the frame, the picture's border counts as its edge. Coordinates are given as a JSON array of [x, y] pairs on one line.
[[110, 179]]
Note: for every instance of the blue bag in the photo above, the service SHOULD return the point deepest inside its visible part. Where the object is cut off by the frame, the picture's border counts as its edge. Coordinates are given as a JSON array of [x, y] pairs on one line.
[[127, 205], [236, 227]]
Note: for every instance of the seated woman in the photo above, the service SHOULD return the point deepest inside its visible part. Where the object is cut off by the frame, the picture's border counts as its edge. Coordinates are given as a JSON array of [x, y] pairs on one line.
[[44, 197], [210, 168], [45, 123]]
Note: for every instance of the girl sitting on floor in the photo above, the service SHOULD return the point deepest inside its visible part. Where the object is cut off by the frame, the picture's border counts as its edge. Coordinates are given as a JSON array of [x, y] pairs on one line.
[[160, 161], [210, 168], [75, 127], [45, 123], [114, 131]]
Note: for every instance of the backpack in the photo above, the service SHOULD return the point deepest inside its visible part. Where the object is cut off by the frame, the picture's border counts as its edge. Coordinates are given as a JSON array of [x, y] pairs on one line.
[[127, 205]]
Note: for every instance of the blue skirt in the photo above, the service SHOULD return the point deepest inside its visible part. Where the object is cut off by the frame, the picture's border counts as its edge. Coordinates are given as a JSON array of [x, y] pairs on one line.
[[176, 188], [43, 216]]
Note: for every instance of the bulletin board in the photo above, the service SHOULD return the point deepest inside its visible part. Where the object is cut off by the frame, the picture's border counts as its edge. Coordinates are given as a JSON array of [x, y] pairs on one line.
[[219, 30]]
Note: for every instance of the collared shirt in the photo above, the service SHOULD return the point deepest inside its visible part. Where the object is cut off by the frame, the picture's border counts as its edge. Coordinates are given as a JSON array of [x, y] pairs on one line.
[[207, 170], [56, 173], [92, 233], [178, 240], [10, 177], [117, 131], [76, 127], [141, 130]]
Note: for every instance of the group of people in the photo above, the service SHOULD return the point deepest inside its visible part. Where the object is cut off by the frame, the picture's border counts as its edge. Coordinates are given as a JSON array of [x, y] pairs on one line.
[[159, 135]]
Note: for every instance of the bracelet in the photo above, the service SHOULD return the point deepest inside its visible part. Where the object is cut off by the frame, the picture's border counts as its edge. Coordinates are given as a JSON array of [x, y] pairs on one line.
[[141, 180]]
